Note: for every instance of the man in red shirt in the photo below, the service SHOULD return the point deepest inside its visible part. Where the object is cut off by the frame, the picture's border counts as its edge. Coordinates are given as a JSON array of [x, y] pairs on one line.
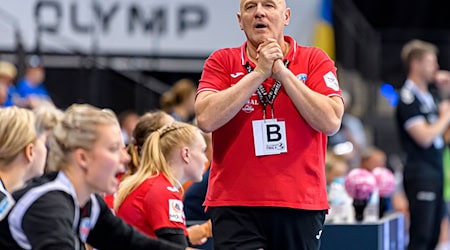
[[270, 104]]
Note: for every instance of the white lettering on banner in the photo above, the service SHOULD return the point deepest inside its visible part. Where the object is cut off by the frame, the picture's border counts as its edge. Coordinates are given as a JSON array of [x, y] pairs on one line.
[[166, 28], [188, 17]]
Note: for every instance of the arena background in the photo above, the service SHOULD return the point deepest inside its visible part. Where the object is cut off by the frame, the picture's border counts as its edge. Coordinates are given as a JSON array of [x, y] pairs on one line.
[[124, 54]]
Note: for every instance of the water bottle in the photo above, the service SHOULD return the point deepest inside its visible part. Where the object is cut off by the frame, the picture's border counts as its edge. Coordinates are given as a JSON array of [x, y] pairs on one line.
[[371, 213], [341, 210]]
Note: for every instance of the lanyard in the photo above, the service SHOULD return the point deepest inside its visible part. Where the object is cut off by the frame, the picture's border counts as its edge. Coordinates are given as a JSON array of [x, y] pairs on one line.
[[264, 97]]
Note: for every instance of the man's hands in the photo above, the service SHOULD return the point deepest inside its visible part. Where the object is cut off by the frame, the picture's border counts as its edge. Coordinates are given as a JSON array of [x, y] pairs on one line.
[[442, 79], [269, 56]]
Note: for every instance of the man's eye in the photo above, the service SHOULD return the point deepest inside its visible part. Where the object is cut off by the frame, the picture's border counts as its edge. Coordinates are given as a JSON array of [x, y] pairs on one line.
[[249, 7]]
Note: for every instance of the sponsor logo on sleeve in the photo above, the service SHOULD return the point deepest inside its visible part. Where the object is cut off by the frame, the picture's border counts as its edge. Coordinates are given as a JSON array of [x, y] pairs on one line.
[[331, 81], [176, 213]]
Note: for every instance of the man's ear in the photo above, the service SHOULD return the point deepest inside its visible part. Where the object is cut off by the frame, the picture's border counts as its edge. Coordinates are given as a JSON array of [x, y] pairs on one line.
[[238, 15], [81, 158], [287, 16]]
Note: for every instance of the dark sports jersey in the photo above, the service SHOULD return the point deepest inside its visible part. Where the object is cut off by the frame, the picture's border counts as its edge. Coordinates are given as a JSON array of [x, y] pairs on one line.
[[414, 107], [295, 179], [47, 216]]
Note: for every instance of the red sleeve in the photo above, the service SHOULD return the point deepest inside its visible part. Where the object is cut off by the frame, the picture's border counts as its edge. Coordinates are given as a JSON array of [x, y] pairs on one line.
[[164, 209], [215, 74], [322, 76]]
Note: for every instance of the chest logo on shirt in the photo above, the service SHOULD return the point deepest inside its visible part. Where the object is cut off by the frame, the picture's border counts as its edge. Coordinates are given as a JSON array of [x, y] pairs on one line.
[[302, 77], [331, 81], [407, 96], [248, 107], [176, 213], [85, 228], [172, 189], [237, 74]]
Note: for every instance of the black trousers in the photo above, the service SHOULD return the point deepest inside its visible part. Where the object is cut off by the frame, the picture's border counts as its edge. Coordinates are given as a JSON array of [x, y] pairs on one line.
[[426, 209], [268, 228]]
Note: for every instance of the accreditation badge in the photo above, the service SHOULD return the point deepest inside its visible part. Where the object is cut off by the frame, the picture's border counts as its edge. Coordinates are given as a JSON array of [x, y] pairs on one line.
[[269, 137]]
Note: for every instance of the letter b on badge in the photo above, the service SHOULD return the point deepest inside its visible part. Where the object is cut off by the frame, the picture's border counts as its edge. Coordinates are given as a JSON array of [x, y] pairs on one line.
[[273, 132]]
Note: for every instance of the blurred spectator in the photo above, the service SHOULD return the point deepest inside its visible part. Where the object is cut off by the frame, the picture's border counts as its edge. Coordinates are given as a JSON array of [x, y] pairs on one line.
[[421, 122], [373, 157], [128, 120], [351, 139], [353, 124], [335, 167], [30, 91], [179, 100], [7, 74]]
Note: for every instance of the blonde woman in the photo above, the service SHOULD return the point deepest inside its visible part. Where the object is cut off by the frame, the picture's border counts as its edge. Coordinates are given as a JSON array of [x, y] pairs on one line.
[[150, 199], [147, 124], [22, 153], [61, 210], [47, 116]]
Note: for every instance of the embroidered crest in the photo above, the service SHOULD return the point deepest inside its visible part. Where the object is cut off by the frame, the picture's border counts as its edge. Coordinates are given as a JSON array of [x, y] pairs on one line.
[[407, 96]]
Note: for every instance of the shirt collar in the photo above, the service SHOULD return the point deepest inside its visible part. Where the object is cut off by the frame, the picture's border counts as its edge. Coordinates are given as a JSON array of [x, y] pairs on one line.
[[290, 56], [424, 97]]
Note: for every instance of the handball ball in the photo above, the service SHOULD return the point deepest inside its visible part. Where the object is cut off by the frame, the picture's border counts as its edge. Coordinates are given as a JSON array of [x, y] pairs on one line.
[[385, 181], [360, 183]]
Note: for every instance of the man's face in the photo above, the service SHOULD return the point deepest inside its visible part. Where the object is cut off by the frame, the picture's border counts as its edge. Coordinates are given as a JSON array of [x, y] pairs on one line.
[[428, 66], [36, 75], [262, 19]]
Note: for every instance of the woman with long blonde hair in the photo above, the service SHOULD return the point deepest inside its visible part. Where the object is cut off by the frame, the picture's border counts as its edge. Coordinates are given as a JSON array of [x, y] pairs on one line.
[[150, 199]]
